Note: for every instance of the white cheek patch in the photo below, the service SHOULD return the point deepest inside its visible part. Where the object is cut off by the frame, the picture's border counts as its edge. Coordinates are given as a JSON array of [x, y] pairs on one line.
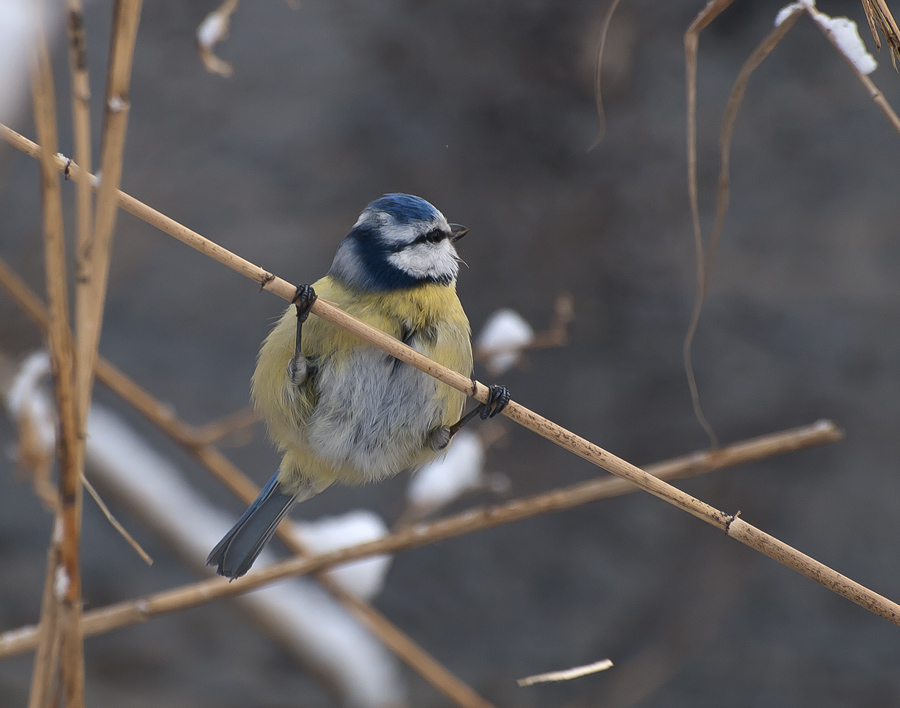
[[427, 260]]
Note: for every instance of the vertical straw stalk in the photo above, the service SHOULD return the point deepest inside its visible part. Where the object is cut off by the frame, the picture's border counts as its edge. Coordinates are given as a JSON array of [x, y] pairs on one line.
[[94, 259], [81, 124], [66, 577]]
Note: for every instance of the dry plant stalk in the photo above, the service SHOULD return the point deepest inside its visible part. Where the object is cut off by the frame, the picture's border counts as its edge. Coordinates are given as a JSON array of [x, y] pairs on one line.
[[134, 611], [228, 426], [759, 541], [691, 46], [66, 576], [876, 13], [95, 255], [81, 124], [598, 93], [874, 92], [94, 264], [45, 661], [880, 18]]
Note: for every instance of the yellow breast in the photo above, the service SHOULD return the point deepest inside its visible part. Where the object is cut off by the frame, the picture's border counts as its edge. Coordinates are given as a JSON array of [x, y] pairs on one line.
[[430, 317]]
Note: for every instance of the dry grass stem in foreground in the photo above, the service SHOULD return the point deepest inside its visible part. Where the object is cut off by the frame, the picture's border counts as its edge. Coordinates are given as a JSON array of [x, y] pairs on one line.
[[81, 130], [135, 611], [44, 672], [66, 575], [94, 266], [880, 18], [760, 541]]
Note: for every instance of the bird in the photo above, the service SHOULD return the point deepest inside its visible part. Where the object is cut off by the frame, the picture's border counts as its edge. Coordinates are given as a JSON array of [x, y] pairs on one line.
[[341, 410]]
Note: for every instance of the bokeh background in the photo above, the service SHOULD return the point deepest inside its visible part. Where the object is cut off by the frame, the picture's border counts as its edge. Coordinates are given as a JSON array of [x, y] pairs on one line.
[[488, 111]]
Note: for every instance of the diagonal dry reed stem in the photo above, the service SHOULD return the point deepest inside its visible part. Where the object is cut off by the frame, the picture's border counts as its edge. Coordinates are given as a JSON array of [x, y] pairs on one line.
[[67, 575], [227, 426], [134, 611], [756, 539], [874, 92]]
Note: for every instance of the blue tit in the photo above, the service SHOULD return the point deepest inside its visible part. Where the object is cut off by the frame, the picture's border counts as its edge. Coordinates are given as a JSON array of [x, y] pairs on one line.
[[341, 410]]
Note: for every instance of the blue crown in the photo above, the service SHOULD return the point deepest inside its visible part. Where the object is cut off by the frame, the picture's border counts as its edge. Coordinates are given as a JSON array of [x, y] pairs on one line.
[[405, 208]]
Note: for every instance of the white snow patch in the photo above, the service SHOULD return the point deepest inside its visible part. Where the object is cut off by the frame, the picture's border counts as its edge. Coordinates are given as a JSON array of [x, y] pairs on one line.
[[842, 30], [18, 33], [26, 400], [506, 331], [61, 582], [445, 479], [213, 29]]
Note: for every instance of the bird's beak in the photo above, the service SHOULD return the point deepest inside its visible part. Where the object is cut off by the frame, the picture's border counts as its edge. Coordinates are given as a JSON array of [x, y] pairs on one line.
[[457, 231]]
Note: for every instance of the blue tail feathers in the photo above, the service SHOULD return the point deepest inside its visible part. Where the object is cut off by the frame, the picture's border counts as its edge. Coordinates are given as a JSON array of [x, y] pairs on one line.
[[235, 553]]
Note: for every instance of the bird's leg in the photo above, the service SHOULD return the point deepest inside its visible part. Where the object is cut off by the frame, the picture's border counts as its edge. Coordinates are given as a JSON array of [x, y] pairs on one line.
[[498, 397], [298, 366]]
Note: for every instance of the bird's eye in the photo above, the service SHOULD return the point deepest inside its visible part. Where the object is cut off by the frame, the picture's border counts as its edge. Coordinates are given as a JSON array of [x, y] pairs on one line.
[[435, 236]]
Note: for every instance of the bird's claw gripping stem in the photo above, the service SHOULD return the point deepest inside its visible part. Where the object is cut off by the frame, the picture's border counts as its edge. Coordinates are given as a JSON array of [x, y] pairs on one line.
[[303, 300], [498, 398]]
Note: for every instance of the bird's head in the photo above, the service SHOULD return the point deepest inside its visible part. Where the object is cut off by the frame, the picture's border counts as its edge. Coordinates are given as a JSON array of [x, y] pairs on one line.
[[399, 241]]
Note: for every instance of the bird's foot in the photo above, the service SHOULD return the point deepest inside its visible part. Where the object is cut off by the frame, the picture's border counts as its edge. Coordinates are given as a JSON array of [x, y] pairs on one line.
[[303, 300], [498, 398], [298, 366]]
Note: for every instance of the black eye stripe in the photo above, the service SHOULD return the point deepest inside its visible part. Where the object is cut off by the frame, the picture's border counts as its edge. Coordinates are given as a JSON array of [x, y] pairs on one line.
[[433, 236]]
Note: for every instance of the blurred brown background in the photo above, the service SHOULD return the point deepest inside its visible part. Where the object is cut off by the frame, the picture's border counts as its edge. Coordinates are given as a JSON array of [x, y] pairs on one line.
[[487, 110]]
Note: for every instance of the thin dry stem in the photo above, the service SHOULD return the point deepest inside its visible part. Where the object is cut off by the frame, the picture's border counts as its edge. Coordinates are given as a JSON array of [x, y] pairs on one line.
[[880, 18], [227, 426], [94, 270], [135, 611], [60, 346], [691, 45], [534, 422], [731, 113], [81, 123], [874, 92], [598, 94], [44, 672], [114, 522]]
